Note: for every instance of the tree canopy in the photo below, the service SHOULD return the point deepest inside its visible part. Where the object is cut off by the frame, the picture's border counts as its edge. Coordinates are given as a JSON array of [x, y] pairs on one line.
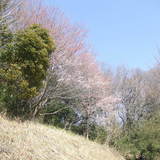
[[24, 62]]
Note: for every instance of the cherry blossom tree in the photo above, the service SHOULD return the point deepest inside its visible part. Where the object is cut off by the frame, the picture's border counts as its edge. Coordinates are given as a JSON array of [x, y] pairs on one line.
[[74, 72]]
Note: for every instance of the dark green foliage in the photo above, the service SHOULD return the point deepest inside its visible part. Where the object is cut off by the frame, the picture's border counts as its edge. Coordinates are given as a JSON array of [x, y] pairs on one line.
[[5, 36], [78, 129], [24, 60], [98, 133], [30, 50], [143, 141], [60, 115]]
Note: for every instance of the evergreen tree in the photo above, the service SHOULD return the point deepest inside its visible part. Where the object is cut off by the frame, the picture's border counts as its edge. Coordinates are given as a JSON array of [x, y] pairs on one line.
[[24, 61]]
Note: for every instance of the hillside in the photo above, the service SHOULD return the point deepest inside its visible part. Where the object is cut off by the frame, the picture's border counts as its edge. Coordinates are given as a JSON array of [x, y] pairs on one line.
[[33, 141]]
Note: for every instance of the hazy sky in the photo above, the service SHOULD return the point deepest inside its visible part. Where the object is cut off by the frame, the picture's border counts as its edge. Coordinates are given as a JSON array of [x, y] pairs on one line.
[[122, 32]]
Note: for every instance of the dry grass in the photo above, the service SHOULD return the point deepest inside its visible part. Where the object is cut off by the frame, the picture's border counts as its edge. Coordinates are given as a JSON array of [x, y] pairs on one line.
[[33, 141]]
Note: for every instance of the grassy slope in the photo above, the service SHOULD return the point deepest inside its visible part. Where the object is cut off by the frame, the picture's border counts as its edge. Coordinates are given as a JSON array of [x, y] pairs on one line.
[[31, 141]]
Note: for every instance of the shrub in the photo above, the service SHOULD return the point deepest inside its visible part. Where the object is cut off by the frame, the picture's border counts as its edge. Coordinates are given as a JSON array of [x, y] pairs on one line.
[[59, 114], [142, 142]]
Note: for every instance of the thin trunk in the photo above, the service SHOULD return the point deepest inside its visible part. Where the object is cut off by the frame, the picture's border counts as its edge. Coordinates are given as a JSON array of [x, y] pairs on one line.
[[87, 126]]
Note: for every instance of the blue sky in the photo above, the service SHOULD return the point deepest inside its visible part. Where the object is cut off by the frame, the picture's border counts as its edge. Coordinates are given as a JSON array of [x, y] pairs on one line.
[[122, 32]]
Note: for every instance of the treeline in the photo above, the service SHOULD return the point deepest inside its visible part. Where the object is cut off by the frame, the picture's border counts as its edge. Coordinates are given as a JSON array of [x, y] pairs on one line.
[[49, 73], [137, 133]]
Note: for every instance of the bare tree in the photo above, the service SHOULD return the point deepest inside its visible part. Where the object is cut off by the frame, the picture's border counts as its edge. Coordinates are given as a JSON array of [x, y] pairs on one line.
[[134, 91], [8, 10]]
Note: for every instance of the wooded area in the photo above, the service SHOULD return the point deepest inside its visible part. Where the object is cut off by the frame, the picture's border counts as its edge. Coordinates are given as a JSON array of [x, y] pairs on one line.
[[49, 73]]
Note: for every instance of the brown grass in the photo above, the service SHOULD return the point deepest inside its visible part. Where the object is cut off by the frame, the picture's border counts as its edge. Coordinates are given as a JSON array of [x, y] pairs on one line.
[[33, 141]]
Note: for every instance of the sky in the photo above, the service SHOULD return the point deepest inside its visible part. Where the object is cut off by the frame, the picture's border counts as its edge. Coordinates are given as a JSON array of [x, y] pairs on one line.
[[122, 32]]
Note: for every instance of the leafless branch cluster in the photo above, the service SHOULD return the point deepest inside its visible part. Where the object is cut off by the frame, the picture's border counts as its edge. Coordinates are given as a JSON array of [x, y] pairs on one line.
[[8, 9]]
